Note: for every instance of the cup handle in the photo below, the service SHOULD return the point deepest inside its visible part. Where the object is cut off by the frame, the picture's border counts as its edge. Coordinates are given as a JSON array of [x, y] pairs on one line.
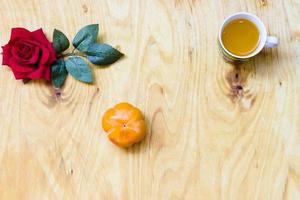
[[271, 42]]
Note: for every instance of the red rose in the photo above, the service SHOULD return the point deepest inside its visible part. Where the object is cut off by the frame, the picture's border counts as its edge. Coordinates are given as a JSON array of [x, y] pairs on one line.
[[29, 54]]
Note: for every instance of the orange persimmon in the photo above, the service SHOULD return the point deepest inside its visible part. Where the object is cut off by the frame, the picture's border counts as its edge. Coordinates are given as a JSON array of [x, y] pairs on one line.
[[124, 124]]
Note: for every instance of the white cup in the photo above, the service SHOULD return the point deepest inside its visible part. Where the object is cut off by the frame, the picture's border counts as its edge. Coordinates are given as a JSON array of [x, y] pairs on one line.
[[264, 39]]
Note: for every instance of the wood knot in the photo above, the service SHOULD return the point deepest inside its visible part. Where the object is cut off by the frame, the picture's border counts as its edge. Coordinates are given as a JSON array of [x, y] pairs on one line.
[[57, 93], [55, 97], [85, 8], [237, 79], [237, 92], [236, 75], [235, 82], [189, 24], [239, 88], [161, 89], [263, 2], [190, 53], [295, 36]]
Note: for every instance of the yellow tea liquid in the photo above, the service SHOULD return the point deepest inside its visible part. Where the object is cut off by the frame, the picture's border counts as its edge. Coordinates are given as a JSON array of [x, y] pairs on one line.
[[240, 37]]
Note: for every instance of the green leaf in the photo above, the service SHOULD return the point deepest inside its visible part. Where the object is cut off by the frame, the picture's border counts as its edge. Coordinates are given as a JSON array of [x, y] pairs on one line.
[[85, 37], [79, 69], [102, 54], [59, 73], [60, 41]]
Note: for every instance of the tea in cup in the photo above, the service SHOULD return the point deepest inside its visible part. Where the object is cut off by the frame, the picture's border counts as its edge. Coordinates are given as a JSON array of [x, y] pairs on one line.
[[243, 35]]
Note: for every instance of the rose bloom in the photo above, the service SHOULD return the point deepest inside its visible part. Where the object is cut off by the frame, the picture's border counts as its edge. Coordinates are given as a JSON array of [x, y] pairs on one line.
[[29, 54]]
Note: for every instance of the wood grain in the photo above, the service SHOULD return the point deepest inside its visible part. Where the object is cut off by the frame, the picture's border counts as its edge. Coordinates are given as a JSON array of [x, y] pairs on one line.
[[215, 130]]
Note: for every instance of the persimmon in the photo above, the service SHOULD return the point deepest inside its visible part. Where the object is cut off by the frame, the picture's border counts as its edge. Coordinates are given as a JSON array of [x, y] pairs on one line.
[[124, 124]]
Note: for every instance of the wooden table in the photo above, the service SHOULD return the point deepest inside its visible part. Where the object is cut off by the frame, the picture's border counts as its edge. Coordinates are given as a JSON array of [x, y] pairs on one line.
[[215, 130]]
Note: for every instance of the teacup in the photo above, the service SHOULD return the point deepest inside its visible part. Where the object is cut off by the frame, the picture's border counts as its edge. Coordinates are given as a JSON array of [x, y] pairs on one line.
[[263, 40]]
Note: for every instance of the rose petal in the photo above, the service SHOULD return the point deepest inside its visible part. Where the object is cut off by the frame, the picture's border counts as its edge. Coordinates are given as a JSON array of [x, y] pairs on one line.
[[29, 54], [48, 74], [51, 60], [25, 53], [41, 72], [16, 66], [34, 57], [20, 75], [6, 54], [52, 55], [19, 33], [21, 50], [45, 55], [40, 36]]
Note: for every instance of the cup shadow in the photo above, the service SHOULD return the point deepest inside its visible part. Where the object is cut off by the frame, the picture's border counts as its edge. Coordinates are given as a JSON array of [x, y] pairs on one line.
[[263, 63]]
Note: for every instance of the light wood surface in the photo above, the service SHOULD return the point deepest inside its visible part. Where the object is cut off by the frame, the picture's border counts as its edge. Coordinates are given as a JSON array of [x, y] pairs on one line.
[[215, 130]]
